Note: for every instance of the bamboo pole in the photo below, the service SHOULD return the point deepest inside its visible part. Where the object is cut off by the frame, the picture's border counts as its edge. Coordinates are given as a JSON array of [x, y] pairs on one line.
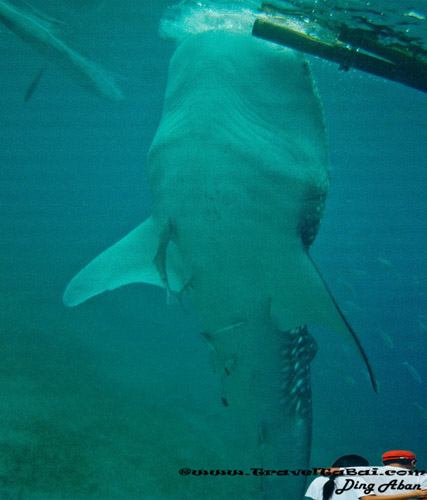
[[410, 71]]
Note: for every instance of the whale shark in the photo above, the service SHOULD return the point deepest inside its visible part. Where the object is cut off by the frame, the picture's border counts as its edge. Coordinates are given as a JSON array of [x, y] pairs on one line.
[[38, 31], [239, 173]]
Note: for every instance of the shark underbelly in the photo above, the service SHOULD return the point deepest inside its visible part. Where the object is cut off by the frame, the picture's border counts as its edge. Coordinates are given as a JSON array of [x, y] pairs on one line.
[[264, 383], [237, 242], [264, 375]]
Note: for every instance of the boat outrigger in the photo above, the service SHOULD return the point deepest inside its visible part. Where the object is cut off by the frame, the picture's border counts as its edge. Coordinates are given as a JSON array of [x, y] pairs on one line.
[[355, 48]]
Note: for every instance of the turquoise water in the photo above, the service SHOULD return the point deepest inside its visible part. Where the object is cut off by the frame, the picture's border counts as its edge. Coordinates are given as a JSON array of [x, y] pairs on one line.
[[110, 399]]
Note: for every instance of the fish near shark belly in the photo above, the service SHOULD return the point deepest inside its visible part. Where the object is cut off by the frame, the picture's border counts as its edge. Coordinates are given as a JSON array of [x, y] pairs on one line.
[[265, 384], [239, 173]]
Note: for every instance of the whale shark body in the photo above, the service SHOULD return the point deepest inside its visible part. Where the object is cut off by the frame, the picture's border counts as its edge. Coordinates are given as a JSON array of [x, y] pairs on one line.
[[239, 172]]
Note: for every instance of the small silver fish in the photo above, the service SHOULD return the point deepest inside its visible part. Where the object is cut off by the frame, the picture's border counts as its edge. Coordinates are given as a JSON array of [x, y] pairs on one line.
[[413, 372], [388, 341], [352, 306], [422, 323], [32, 87], [416, 15], [385, 263], [346, 286], [422, 410]]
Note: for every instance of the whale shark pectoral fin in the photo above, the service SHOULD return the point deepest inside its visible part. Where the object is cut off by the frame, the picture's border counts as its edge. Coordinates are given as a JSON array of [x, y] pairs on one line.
[[306, 299], [130, 260]]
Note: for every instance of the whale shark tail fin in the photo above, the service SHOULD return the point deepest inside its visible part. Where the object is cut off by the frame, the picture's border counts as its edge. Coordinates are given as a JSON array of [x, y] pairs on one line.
[[306, 299], [133, 259]]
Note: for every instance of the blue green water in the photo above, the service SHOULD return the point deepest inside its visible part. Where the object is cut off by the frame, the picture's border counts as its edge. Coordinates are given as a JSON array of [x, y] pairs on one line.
[[109, 399]]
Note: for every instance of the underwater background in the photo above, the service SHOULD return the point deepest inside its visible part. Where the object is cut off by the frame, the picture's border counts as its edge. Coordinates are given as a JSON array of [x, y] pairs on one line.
[[110, 399]]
